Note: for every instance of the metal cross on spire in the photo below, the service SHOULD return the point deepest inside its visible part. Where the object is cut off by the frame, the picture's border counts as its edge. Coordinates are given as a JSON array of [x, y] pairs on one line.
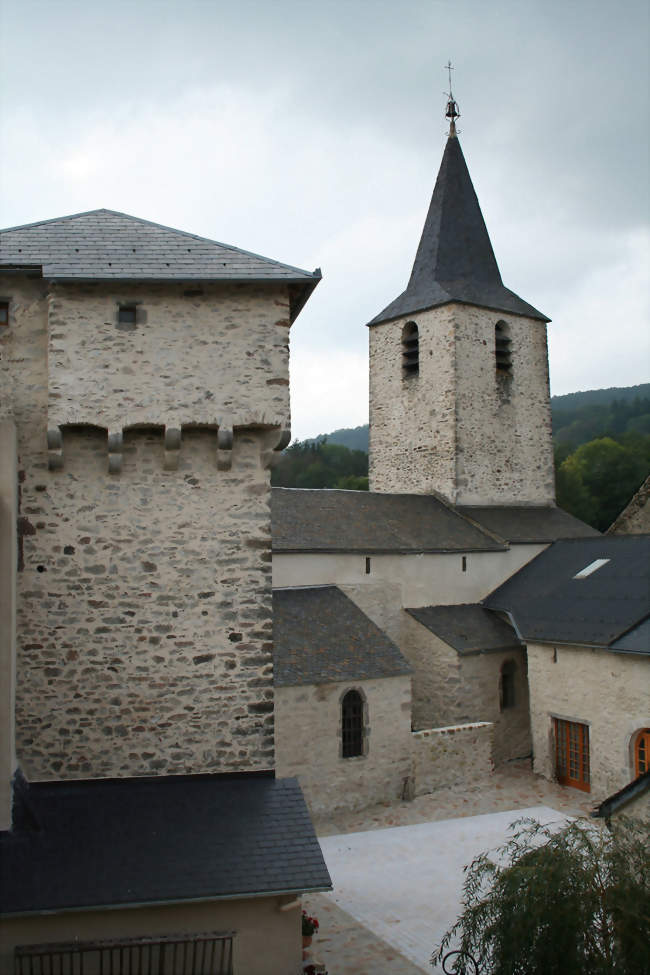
[[452, 112]]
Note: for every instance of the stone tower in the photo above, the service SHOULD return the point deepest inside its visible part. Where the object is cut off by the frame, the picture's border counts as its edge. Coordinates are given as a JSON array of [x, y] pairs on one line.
[[459, 391], [145, 373]]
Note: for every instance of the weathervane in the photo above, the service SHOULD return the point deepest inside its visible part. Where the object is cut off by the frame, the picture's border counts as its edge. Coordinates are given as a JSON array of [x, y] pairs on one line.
[[452, 112]]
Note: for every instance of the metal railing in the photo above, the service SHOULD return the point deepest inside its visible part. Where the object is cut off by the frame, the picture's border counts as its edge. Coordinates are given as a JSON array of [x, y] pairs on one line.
[[198, 954]]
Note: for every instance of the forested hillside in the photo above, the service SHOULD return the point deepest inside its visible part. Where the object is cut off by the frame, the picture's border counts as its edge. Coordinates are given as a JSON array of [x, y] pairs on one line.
[[602, 453]]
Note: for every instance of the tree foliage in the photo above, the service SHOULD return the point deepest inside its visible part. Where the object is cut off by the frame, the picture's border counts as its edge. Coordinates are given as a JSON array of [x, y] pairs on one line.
[[319, 464], [568, 901], [597, 480]]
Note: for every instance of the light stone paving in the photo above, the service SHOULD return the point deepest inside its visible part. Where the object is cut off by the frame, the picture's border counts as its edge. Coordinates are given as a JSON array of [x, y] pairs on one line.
[[419, 897], [405, 883]]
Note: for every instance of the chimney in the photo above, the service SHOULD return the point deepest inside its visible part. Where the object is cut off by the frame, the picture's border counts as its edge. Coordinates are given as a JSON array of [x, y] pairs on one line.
[[8, 561]]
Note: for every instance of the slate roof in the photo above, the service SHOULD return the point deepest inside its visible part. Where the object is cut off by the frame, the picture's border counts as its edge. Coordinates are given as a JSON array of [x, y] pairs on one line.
[[455, 260], [320, 637], [366, 522], [105, 245], [530, 523], [119, 842], [637, 787], [468, 628], [607, 608]]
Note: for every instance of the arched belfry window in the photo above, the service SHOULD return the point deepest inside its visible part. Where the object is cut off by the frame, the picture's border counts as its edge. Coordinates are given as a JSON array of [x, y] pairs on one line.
[[410, 350], [503, 349], [352, 724], [507, 696]]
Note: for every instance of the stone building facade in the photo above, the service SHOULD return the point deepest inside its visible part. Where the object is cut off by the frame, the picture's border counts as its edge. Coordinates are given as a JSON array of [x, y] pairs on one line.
[[606, 693]]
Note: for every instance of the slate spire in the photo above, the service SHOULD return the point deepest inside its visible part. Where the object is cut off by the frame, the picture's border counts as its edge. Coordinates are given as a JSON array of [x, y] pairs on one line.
[[455, 260]]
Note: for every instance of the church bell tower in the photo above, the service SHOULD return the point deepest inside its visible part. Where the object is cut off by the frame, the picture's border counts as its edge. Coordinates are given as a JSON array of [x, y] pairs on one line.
[[459, 388]]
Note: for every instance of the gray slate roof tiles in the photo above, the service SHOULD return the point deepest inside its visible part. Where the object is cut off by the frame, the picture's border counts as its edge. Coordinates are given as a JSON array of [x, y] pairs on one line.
[[608, 605], [467, 627], [366, 522], [320, 636], [455, 260], [105, 244], [532, 524], [167, 839]]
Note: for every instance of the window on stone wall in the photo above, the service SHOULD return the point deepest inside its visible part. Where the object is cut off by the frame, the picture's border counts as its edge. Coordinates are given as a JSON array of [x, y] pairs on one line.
[[572, 754], [410, 351], [127, 314], [502, 349], [4, 315], [642, 752], [507, 695], [352, 724]]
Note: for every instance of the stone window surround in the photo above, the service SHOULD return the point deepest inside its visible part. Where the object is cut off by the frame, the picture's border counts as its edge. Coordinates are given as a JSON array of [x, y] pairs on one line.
[[366, 725], [140, 313]]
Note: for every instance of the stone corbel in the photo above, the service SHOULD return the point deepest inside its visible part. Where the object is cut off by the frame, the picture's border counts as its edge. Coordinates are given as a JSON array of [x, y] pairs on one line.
[[54, 449], [224, 448], [172, 448], [272, 457], [114, 452]]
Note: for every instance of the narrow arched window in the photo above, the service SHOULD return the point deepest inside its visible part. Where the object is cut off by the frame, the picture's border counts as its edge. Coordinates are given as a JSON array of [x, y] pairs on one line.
[[507, 696], [502, 349], [352, 724], [642, 752], [410, 350]]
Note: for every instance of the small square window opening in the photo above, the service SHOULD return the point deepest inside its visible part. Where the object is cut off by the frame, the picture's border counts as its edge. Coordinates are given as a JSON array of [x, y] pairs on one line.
[[127, 315], [4, 314]]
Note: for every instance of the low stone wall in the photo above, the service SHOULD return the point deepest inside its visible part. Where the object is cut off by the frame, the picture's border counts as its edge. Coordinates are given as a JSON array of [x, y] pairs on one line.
[[456, 755]]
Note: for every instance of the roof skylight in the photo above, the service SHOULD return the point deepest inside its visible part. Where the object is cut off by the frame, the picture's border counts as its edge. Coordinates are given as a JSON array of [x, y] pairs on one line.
[[591, 568]]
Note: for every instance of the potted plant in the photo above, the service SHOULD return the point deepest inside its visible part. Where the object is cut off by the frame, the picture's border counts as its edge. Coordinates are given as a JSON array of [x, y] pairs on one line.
[[309, 925]]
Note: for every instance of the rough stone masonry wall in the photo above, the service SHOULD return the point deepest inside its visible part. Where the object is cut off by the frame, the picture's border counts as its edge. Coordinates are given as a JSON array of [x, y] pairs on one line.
[[204, 354], [412, 421], [452, 689], [144, 597], [610, 692], [308, 743], [457, 428], [503, 426], [456, 755]]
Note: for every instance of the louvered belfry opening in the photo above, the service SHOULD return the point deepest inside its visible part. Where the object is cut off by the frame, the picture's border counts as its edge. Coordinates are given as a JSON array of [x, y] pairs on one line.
[[352, 724], [410, 350], [502, 349]]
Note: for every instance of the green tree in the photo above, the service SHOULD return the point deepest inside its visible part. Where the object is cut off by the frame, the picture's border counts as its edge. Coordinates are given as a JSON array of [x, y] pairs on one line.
[[598, 479], [568, 901]]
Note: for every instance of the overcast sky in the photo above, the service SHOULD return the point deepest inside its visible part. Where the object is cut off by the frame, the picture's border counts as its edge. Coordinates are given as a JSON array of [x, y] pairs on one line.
[[311, 131]]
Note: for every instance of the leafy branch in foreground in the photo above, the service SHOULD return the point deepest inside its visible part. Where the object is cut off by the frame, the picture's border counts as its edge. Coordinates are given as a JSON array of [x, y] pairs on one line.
[[558, 901]]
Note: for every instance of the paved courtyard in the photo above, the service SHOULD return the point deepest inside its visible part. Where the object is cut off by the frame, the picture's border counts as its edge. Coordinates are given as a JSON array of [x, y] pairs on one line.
[[397, 869]]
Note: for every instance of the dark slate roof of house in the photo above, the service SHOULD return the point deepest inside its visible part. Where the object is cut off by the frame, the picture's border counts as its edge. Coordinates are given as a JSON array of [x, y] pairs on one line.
[[366, 522], [455, 260], [119, 842], [320, 637], [105, 245], [468, 628], [637, 787], [530, 523], [609, 604]]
